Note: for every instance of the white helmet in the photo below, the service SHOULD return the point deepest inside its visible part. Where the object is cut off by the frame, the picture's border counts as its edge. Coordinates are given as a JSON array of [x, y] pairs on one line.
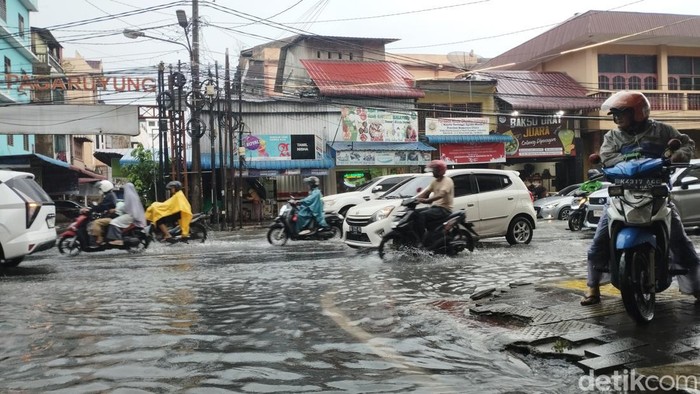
[[105, 186]]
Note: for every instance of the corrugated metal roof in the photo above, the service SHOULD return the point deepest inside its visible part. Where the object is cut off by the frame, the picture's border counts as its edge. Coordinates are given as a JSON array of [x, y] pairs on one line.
[[380, 146], [541, 90], [600, 26], [467, 139], [367, 79]]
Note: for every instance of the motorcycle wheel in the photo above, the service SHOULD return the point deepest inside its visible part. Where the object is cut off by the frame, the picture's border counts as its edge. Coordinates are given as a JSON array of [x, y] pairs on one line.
[[198, 232], [69, 246], [394, 246], [467, 237], [277, 236], [337, 233], [638, 298], [144, 241], [575, 222]]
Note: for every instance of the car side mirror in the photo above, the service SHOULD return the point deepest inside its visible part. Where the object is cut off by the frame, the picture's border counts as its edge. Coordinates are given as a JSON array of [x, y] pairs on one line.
[[689, 180], [377, 188]]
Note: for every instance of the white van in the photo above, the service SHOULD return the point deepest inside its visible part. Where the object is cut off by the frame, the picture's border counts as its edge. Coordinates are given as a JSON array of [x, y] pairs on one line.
[[369, 191], [497, 202], [27, 217]]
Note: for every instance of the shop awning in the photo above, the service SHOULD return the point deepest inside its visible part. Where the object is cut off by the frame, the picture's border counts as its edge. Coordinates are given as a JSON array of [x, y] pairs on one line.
[[287, 164], [380, 146], [18, 162], [468, 139]]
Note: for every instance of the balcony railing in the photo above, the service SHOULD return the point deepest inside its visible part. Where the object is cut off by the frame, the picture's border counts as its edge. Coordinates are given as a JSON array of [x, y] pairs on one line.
[[47, 58], [666, 101]]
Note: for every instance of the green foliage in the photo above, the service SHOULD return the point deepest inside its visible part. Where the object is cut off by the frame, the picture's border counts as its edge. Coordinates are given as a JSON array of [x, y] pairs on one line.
[[143, 174]]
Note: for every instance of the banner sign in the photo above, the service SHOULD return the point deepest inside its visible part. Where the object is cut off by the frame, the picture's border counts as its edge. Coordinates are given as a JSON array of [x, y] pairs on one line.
[[369, 124], [382, 158], [492, 152], [303, 147], [456, 126], [280, 147], [536, 136]]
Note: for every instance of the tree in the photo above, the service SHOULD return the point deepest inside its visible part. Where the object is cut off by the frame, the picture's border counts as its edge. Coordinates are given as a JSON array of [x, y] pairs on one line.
[[143, 174]]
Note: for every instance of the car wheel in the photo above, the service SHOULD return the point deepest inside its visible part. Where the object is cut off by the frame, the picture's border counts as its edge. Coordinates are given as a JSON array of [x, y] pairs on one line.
[[519, 231], [564, 213], [344, 210], [9, 263]]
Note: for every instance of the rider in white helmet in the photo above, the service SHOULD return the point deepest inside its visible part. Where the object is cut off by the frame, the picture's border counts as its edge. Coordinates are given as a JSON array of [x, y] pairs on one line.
[[106, 207]]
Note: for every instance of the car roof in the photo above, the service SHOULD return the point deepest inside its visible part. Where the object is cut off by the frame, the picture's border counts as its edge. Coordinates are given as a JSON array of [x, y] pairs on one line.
[[6, 175]]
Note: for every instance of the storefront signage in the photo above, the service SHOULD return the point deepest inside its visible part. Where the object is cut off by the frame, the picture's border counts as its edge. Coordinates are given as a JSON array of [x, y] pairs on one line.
[[369, 124], [537, 136], [491, 152], [85, 82], [303, 147], [381, 158], [280, 147], [456, 126]]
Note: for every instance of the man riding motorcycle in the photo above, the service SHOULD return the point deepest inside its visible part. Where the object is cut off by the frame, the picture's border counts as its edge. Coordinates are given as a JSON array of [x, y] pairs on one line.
[[106, 207], [443, 189], [637, 136], [311, 207], [171, 211]]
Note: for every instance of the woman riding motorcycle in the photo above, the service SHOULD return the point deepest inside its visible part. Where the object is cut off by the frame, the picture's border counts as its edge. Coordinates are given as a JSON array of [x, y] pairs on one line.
[[311, 207]]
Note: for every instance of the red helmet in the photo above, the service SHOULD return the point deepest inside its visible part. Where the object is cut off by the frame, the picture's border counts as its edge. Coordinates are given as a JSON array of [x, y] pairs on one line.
[[438, 167], [635, 101]]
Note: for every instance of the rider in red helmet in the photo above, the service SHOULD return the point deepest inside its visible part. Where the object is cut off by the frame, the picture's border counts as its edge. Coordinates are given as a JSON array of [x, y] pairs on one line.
[[441, 200]]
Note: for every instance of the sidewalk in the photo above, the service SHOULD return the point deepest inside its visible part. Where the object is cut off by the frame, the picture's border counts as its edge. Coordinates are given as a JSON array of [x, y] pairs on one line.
[[547, 320]]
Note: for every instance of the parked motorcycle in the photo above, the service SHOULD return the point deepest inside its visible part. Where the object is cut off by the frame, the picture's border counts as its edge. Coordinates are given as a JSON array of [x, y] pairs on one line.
[[448, 237], [76, 238], [198, 230], [639, 223], [283, 228]]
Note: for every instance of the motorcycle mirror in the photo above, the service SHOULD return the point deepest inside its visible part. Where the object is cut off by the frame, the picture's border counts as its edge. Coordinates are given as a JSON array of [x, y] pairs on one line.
[[594, 158], [674, 144]]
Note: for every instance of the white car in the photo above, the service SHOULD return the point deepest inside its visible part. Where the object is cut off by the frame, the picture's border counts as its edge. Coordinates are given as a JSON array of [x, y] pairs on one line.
[[341, 202], [497, 202], [27, 218]]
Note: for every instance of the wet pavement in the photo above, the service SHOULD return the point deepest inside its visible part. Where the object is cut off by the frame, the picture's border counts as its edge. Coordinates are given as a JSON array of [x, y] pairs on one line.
[[238, 315]]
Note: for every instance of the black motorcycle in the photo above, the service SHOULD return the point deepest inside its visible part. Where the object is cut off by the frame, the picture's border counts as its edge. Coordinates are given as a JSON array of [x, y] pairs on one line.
[[449, 236], [76, 238], [579, 209], [198, 230], [284, 227]]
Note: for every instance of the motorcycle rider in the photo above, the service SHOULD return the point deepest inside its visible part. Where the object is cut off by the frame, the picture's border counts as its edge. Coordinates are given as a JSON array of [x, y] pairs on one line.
[[443, 189], [130, 211], [636, 136], [106, 207], [171, 211], [311, 207]]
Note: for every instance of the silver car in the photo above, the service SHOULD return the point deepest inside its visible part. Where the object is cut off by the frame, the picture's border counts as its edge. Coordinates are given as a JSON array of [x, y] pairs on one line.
[[557, 206], [685, 194]]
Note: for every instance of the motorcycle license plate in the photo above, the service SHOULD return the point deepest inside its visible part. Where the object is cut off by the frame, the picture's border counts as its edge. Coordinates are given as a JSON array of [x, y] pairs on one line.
[[598, 213], [355, 230], [639, 183]]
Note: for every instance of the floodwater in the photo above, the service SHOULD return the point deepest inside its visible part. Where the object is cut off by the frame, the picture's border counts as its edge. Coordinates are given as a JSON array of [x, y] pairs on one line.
[[236, 314]]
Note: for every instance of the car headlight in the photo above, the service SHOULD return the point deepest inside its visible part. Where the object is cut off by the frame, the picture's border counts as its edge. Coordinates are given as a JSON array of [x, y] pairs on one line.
[[382, 213], [552, 205]]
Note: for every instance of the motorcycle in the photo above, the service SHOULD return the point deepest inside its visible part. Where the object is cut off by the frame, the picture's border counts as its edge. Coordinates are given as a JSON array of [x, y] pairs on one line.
[[283, 228], [579, 209], [198, 230], [76, 239], [448, 237], [639, 223]]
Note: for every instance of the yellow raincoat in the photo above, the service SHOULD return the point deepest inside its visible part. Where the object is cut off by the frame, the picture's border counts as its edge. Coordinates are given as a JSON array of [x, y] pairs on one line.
[[177, 203]]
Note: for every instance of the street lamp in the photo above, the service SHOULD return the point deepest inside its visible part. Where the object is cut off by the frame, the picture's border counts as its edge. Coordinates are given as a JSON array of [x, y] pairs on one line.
[[134, 34]]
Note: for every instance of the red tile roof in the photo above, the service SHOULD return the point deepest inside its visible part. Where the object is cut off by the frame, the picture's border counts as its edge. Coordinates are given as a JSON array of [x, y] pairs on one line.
[[366, 79], [528, 90]]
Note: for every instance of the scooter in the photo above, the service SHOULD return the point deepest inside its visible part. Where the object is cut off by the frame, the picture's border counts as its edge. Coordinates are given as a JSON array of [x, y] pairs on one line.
[[579, 209], [448, 237], [76, 238], [283, 228], [198, 230], [639, 223]]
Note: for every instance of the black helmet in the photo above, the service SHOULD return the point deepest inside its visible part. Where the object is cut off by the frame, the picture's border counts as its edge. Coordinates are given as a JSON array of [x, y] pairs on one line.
[[177, 185], [312, 181]]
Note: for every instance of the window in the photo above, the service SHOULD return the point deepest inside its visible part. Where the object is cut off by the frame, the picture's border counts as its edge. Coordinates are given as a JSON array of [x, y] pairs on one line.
[[25, 141], [350, 55], [491, 182], [329, 55], [20, 25], [10, 140], [8, 65], [463, 185], [683, 73], [3, 10], [627, 72], [318, 54]]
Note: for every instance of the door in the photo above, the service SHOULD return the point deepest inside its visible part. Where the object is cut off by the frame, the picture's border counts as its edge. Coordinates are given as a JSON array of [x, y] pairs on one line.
[[466, 198], [496, 201], [687, 200]]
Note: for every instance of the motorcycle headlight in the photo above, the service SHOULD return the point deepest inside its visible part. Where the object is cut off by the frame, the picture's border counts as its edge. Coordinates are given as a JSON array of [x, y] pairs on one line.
[[615, 191], [382, 213]]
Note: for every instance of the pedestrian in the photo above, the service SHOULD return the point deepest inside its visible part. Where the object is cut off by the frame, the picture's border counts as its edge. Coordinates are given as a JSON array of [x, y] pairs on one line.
[[636, 136], [256, 203]]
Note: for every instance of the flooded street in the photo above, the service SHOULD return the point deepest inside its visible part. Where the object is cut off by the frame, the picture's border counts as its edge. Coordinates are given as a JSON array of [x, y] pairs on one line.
[[236, 314]]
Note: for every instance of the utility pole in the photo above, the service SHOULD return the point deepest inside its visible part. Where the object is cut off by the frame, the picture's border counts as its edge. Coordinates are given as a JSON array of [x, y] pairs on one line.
[[230, 204], [211, 94], [196, 191], [222, 172], [241, 148]]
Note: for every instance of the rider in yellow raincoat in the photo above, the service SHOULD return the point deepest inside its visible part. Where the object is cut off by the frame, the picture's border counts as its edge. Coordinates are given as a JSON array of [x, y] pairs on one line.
[[170, 211]]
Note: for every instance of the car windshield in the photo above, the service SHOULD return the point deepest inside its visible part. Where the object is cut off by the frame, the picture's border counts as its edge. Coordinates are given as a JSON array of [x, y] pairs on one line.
[[408, 188], [363, 186]]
